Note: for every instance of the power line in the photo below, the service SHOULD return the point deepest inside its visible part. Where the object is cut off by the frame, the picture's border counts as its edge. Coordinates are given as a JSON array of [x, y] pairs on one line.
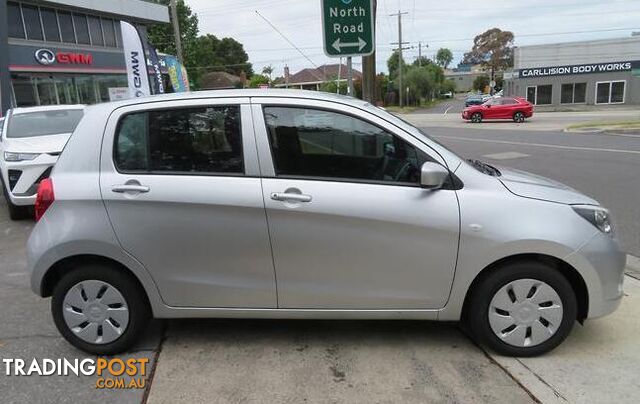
[[286, 39]]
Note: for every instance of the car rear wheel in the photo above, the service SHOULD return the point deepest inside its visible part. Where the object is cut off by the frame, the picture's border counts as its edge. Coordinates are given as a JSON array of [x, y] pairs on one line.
[[99, 309], [518, 117], [523, 309], [476, 117], [15, 212]]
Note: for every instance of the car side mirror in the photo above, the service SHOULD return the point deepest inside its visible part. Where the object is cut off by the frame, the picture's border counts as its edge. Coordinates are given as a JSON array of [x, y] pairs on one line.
[[433, 175]]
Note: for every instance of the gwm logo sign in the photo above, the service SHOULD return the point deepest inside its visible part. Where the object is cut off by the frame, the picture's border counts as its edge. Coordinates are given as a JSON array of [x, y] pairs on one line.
[[46, 57]]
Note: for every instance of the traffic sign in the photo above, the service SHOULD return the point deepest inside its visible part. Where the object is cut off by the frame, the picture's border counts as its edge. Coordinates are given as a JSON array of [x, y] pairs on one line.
[[349, 28]]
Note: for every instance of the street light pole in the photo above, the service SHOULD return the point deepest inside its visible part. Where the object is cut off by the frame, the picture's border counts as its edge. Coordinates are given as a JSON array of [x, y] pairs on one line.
[[173, 5]]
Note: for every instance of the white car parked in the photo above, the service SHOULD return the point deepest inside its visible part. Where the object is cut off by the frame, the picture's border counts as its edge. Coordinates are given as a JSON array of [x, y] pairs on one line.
[[31, 140]]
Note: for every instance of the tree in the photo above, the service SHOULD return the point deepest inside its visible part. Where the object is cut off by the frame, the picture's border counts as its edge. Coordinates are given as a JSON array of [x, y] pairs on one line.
[[392, 65], [493, 49], [422, 61], [267, 71], [257, 80], [444, 57], [161, 35], [481, 82], [201, 54]]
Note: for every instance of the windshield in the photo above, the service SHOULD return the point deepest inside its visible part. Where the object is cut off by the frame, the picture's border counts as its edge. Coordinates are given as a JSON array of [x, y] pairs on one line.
[[43, 123]]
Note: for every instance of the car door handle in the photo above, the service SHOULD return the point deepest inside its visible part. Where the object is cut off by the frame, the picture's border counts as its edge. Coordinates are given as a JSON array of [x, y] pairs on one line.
[[283, 196], [130, 188]]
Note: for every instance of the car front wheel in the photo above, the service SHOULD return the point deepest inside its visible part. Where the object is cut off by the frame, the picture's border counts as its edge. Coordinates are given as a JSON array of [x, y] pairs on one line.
[[99, 309], [476, 117], [523, 309], [15, 212], [518, 117]]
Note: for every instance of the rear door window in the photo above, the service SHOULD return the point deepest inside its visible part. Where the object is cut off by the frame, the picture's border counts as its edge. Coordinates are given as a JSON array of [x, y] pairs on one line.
[[201, 140]]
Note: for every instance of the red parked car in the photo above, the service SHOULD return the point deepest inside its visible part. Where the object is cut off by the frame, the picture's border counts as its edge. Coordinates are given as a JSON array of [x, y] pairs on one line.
[[500, 108]]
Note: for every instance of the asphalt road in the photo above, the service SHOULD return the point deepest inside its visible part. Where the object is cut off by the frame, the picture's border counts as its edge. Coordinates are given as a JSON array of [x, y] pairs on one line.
[[605, 167]]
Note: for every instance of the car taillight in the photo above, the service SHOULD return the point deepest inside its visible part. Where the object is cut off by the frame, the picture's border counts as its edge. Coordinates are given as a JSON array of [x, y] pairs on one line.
[[45, 197]]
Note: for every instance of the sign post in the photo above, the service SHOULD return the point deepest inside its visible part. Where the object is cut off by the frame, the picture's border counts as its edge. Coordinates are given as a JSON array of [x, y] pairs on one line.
[[349, 28]]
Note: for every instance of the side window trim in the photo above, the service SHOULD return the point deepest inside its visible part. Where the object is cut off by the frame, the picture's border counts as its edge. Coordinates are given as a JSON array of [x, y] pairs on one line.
[[267, 160], [243, 126]]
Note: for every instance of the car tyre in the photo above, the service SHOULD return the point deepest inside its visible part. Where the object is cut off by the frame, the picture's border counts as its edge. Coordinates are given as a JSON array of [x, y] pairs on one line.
[[476, 117], [16, 212], [102, 324], [492, 317], [518, 117]]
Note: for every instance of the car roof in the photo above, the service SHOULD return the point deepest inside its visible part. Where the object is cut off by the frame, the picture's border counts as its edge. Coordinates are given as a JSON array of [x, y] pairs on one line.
[[239, 93], [18, 111]]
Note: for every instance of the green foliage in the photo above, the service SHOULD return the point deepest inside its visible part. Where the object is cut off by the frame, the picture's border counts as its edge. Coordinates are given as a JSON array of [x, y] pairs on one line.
[[493, 49], [201, 54], [422, 61], [257, 80], [448, 86], [331, 86], [481, 82], [392, 65], [444, 57], [425, 82]]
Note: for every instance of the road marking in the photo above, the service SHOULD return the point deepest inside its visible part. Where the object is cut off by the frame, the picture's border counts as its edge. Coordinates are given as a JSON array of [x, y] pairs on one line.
[[506, 155], [447, 110], [550, 146]]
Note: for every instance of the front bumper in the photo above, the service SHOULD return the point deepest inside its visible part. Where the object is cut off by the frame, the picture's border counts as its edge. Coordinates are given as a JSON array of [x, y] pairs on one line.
[[601, 264], [22, 178]]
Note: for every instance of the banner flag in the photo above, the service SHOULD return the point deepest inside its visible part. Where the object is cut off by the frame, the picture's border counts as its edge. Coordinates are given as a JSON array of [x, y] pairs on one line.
[[137, 74]]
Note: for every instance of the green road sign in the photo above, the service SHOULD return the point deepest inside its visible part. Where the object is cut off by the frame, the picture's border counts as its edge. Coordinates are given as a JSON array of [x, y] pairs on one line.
[[348, 27]]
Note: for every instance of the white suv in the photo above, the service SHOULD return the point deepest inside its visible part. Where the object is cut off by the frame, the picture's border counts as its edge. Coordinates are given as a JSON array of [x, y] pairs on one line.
[[30, 143]]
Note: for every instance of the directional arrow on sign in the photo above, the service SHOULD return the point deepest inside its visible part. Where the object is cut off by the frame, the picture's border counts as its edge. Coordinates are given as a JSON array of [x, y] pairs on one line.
[[337, 45]]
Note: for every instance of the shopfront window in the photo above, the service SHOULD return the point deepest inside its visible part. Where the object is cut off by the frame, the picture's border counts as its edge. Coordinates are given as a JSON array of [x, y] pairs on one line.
[[50, 24], [24, 90], [32, 22], [16, 29], [610, 92], [51, 89], [46, 91], [573, 93], [540, 95]]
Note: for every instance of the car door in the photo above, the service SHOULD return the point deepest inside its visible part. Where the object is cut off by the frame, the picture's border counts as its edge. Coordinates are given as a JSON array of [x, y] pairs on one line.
[[350, 226], [181, 186]]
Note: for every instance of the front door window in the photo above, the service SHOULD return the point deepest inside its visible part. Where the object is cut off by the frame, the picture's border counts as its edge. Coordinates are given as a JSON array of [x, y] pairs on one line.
[[327, 145]]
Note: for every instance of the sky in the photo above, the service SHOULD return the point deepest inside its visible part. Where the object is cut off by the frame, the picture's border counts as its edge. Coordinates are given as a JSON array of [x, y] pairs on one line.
[[450, 24]]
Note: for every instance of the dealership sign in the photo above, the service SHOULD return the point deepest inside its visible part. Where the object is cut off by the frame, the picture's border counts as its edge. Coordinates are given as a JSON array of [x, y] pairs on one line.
[[46, 57], [578, 69]]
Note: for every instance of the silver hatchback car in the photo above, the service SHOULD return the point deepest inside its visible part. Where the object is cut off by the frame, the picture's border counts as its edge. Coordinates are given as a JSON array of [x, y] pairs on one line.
[[304, 205]]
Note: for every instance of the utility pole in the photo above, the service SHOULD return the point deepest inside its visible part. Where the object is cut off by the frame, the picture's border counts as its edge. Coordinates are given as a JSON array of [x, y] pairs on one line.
[[5, 76], [369, 68], [176, 28], [420, 54], [400, 49], [339, 77]]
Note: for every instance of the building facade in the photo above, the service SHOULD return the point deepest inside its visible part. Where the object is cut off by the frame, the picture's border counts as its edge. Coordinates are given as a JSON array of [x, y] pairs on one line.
[[464, 76], [315, 79], [577, 74], [70, 51]]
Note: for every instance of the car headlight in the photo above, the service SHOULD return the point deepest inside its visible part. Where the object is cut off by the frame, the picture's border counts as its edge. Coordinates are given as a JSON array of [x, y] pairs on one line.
[[10, 156], [597, 216]]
